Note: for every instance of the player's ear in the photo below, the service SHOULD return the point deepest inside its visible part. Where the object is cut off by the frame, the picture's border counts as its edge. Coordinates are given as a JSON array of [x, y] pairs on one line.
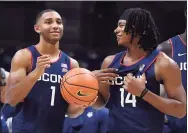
[[37, 28]]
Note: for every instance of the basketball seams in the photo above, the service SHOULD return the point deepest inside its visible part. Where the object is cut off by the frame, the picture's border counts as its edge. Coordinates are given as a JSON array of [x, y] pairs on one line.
[[80, 74], [67, 93], [72, 94], [81, 86], [64, 96]]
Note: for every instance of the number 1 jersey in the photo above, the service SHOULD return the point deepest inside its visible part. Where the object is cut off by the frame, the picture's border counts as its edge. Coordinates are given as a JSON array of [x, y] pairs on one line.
[[44, 108], [128, 113]]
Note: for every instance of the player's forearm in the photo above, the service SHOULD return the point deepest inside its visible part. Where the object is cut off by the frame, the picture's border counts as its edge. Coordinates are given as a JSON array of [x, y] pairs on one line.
[[103, 96], [99, 103], [166, 105], [16, 93]]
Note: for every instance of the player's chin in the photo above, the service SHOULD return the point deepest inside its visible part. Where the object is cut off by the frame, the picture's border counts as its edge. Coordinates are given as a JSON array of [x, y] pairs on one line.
[[55, 39], [120, 43]]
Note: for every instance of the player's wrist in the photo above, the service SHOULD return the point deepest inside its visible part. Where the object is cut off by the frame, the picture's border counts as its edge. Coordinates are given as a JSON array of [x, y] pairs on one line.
[[143, 93], [36, 74]]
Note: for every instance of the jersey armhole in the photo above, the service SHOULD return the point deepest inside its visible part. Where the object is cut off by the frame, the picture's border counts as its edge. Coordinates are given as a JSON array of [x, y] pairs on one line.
[[116, 57], [172, 48], [70, 64], [111, 63]]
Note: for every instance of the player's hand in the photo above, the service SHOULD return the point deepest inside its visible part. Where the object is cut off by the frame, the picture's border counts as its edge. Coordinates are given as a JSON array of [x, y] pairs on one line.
[[134, 85], [104, 75], [43, 62]]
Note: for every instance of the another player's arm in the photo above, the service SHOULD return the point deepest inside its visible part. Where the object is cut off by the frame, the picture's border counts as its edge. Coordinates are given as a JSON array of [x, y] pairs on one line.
[[166, 48], [3, 88], [104, 94], [169, 72], [20, 84], [102, 76], [74, 63]]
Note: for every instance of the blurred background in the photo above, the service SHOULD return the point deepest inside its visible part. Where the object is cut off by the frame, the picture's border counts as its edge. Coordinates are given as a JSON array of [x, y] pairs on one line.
[[88, 35]]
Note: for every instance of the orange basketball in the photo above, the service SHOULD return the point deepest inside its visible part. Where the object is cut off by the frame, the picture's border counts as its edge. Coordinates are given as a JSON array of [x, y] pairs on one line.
[[79, 86]]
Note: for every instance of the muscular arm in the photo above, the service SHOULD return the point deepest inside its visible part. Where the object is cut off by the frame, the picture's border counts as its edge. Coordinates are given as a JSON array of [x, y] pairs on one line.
[[166, 48], [20, 84], [169, 72], [103, 94], [74, 63]]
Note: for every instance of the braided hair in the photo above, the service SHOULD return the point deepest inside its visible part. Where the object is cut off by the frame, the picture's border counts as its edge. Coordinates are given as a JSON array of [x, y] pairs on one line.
[[140, 22]]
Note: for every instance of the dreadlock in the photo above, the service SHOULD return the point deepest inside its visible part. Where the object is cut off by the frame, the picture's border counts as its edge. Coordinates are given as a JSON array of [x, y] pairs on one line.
[[140, 22]]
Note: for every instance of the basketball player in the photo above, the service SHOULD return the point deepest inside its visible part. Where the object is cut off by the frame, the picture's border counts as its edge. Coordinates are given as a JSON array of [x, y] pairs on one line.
[[85, 120], [176, 48], [135, 105], [7, 114], [35, 77]]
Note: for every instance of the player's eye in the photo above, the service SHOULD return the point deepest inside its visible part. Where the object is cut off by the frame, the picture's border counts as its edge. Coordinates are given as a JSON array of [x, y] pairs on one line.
[[59, 22], [48, 22], [121, 25]]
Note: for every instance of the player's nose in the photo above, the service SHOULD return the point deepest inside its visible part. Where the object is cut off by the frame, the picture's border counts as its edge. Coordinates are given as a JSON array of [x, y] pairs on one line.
[[116, 30], [55, 26]]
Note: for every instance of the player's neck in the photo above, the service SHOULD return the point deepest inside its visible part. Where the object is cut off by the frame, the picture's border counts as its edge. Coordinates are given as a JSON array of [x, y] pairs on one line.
[[135, 52], [48, 48]]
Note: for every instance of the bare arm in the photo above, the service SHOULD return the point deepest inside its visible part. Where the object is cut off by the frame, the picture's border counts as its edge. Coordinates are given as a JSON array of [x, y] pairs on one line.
[[74, 63], [104, 94], [168, 71], [20, 84]]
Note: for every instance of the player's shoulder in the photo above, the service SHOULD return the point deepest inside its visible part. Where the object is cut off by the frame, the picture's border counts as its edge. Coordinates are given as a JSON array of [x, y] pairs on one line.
[[22, 55], [109, 59], [164, 62], [103, 111], [102, 114], [167, 42], [74, 63], [166, 45]]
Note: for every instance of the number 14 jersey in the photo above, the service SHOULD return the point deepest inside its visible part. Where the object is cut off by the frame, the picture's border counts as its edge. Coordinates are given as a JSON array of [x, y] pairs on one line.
[[128, 113]]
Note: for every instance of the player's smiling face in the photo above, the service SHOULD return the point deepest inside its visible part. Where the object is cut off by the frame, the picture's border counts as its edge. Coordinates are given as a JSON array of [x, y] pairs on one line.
[[50, 26], [122, 37]]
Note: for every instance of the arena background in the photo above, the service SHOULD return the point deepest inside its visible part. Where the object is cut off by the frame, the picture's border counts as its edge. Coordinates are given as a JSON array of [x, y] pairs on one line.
[[88, 35]]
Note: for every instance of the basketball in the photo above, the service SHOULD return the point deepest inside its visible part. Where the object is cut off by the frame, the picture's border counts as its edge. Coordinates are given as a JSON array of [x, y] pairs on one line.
[[79, 86]]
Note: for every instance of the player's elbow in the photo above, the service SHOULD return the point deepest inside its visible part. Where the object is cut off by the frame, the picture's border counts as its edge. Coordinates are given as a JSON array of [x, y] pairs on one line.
[[182, 110], [11, 99], [100, 102], [181, 115]]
